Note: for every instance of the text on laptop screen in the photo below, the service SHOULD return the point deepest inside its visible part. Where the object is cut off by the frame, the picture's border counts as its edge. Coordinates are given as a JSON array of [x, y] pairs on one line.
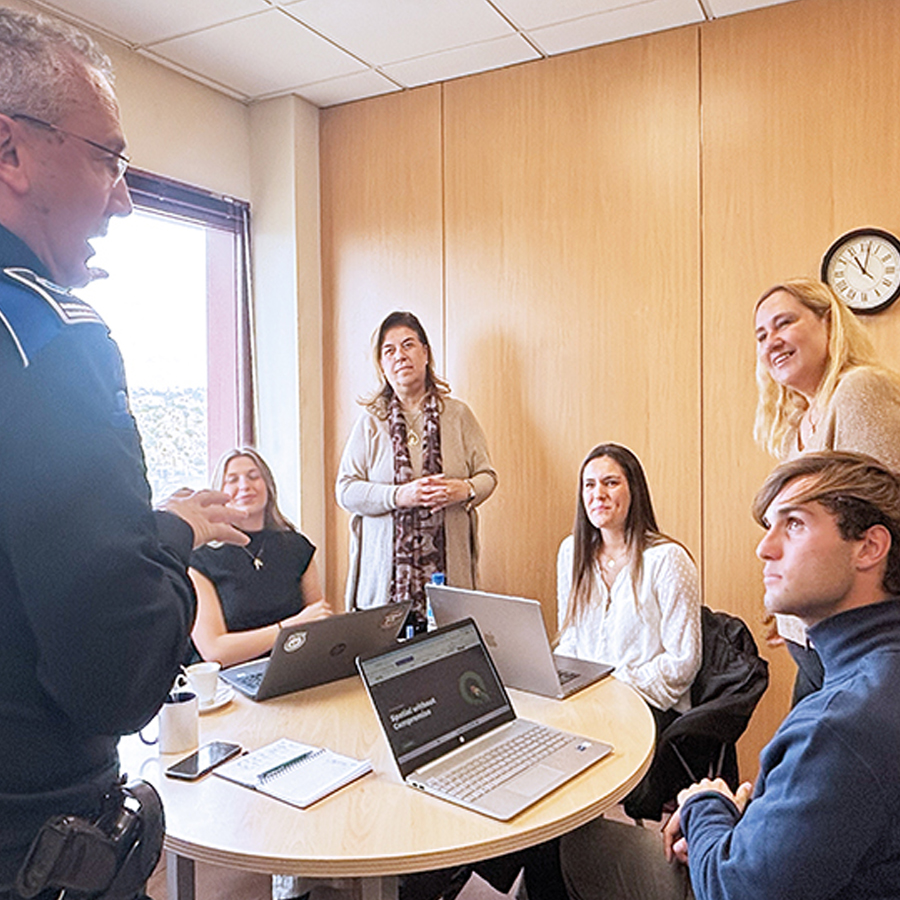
[[436, 693]]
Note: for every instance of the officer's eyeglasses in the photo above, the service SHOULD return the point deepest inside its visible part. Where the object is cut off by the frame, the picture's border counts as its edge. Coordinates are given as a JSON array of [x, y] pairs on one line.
[[118, 162]]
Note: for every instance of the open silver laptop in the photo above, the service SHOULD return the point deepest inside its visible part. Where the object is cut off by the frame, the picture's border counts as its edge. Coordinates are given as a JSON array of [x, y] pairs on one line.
[[513, 629], [452, 729], [318, 652]]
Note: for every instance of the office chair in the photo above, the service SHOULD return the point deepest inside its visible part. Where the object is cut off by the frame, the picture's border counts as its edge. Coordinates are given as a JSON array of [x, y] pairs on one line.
[[701, 742]]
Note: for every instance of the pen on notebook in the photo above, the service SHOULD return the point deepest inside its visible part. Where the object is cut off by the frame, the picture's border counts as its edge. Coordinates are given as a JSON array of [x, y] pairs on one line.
[[277, 770]]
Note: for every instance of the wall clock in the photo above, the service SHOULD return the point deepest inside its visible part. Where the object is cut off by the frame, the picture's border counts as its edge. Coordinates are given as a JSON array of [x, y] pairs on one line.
[[863, 268]]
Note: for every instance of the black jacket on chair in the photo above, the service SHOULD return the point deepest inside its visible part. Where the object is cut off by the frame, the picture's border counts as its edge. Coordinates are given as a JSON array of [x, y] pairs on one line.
[[701, 742]]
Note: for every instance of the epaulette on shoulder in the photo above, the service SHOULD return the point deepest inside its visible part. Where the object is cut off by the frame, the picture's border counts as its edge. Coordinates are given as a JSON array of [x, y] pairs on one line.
[[34, 310]]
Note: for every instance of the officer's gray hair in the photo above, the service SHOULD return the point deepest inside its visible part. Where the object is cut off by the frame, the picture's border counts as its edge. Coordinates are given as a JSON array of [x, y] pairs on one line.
[[38, 58]]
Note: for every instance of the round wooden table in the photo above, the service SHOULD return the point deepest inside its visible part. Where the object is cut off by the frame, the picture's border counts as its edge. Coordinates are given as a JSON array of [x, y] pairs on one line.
[[376, 826]]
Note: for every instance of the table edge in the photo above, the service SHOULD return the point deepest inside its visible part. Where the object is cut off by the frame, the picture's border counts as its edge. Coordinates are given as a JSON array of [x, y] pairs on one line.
[[362, 867]]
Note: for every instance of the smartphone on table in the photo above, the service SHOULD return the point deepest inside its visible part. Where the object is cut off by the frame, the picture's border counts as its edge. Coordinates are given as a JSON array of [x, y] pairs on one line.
[[203, 760]]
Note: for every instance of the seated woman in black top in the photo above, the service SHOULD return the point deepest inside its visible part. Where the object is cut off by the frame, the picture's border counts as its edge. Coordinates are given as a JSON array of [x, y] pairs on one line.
[[247, 594]]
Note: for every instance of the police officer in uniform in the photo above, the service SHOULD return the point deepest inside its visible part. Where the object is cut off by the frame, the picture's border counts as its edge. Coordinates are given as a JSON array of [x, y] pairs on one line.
[[95, 603]]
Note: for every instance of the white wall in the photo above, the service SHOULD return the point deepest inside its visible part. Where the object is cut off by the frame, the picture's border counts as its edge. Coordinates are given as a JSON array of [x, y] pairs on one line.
[[285, 209], [180, 128]]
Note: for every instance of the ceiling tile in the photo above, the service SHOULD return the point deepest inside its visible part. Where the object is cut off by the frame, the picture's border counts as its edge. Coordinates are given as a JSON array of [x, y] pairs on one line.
[[528, 14], [462, 61], [347, 88], [617, 24], [139, 22], [262, 54], [392, 30], [321, 49], [728, 7]]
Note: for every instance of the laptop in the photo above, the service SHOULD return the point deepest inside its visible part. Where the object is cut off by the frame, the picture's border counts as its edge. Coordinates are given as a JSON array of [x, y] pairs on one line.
[[318, 652], [452, 729], [513, 629]]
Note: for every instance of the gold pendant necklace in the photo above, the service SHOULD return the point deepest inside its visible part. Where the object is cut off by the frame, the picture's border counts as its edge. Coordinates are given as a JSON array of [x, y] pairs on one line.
[[412, 419], [812, 419], [256, 558]]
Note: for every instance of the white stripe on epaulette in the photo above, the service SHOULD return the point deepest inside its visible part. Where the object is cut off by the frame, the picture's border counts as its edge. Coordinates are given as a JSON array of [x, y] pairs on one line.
[[71, 309]]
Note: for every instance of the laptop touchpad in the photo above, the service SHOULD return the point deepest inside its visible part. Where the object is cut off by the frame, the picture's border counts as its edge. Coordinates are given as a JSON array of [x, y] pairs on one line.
[[533, 781]]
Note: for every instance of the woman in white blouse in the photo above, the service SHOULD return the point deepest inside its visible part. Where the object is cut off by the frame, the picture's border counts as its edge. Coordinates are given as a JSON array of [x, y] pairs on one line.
[[628, 594]]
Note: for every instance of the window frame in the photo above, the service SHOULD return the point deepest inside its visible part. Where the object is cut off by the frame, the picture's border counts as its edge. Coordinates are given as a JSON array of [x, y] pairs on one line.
[[231, 414]]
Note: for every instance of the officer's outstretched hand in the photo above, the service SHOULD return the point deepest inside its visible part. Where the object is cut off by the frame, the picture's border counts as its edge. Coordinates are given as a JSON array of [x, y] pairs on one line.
[[207, 514]]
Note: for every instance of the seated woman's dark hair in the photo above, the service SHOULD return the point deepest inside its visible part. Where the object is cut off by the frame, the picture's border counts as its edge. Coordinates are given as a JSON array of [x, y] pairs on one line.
[[641, 529]]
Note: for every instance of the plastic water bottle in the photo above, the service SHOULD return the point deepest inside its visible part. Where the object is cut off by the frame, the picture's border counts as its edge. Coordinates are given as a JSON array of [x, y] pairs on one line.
[[436, 578]]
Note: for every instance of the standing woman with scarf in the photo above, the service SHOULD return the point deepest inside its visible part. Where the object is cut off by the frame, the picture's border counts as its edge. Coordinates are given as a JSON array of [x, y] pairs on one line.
[[414, 469]]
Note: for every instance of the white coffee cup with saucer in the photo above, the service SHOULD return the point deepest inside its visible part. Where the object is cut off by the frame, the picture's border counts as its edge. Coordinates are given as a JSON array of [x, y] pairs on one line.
[[203, 678]]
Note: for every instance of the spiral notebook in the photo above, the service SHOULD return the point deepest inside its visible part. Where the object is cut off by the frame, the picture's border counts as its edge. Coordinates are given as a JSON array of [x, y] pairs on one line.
[[295, 773]]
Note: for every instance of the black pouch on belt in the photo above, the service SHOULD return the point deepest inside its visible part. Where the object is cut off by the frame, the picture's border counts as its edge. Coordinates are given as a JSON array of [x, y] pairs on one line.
[[110, 858]]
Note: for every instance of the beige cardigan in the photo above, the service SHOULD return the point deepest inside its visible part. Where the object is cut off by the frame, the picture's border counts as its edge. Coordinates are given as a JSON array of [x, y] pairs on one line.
[[862, 416], [365, 488]]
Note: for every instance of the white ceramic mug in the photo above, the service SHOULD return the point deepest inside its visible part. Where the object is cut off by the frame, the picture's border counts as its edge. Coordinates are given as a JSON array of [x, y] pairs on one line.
[[204, 679], [179, 723]]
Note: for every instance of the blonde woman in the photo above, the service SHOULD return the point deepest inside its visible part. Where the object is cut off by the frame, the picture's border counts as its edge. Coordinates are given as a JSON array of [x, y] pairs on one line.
[[245, 595], [820, 384], [821, 387]]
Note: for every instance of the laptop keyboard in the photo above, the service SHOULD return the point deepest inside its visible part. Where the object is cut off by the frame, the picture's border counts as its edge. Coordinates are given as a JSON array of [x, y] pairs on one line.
[[251, 680], [491, 768], [566, 675]]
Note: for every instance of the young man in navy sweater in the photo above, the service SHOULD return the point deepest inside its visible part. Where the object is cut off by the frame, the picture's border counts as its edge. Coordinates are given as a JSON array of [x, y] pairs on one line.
[[823, 820]]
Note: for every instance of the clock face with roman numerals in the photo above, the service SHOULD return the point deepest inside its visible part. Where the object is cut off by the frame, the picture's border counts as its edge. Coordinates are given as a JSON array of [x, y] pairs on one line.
[[863, 268]]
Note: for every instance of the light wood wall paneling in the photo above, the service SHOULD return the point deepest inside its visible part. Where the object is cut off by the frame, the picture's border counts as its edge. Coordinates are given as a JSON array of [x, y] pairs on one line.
[[381, 250], [799, 145], [572, 254], [553, 215]]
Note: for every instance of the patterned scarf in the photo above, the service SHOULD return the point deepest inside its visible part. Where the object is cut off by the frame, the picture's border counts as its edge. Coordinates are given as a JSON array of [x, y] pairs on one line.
[[418, 531]]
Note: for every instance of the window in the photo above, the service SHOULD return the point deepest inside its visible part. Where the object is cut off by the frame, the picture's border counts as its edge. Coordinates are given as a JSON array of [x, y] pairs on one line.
[[176, 302]]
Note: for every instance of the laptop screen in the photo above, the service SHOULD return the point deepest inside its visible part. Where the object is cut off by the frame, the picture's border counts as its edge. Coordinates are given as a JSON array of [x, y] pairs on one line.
[[436, 692]]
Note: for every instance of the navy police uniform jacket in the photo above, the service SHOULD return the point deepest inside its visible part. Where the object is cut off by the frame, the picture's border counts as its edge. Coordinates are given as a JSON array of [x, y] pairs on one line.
[[95, 603]]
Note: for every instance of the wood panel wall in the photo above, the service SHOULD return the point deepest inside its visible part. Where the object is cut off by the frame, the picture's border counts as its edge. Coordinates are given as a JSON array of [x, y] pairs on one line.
[[585, 237], [571, 219], [798, 147]]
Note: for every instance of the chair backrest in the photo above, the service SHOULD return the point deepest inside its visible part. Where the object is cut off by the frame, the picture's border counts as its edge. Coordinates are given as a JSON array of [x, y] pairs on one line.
[[732, 679]]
